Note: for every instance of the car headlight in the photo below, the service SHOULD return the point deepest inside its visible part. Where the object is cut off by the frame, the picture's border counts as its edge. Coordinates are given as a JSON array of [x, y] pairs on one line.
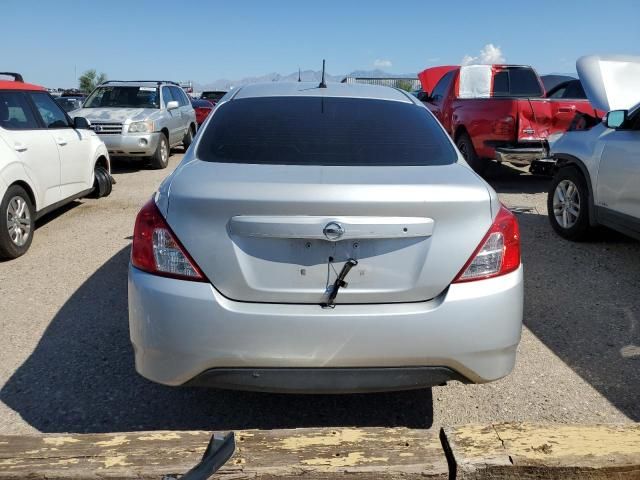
[[141, 127]]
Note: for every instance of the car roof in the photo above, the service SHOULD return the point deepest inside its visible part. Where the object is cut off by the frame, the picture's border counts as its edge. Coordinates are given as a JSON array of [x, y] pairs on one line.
[[13, 85], [311, 89], [135, 83]]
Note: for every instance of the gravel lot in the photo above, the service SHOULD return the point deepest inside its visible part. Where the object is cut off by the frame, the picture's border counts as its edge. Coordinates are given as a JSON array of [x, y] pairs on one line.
[[66, 363]]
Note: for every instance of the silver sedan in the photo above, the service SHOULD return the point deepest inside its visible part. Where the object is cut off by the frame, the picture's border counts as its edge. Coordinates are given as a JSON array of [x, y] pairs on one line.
[[324, 240]]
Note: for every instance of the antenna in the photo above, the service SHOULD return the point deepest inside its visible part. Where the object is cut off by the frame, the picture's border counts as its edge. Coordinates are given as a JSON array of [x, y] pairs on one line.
[[322, 82], [299, 79]]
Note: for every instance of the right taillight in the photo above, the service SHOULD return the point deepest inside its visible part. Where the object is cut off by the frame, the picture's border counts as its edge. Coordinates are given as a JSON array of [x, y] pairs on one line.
[[498, 252], [504, 126], [156, 249]]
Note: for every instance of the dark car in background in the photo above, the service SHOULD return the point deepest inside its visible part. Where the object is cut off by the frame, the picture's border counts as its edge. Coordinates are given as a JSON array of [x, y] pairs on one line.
[[69, 104], [203, 109], [213, 95]]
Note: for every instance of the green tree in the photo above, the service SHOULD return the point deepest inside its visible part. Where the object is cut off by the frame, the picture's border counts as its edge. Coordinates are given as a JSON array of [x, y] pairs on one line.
[[405, 85], [90, 80]]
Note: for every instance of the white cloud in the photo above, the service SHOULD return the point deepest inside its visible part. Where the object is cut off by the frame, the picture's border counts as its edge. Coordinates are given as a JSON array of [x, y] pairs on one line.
[[382, 63], [488, 55]]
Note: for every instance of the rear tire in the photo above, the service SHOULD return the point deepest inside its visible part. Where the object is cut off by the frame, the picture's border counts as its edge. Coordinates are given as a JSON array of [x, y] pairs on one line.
[[188, 138], [102, 184], [17, 223], [160, 158], [465, 145], [568, 204]]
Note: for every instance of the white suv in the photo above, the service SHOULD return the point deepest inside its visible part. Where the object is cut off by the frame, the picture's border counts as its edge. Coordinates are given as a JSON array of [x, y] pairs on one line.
[[46, 160]]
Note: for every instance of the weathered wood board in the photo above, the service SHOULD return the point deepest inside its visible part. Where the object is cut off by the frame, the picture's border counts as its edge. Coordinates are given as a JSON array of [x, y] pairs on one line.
[[529, 451], [371, 453]]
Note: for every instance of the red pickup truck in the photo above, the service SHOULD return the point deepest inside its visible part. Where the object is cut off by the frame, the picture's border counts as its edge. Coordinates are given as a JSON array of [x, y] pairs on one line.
[[497, 111]]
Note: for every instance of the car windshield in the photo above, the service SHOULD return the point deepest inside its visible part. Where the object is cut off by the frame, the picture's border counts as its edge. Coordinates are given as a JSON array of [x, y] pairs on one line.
[[324, 131], [124, 97]]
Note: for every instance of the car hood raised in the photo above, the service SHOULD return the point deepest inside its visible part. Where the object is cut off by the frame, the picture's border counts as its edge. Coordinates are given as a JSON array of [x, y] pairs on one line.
[[119, 115], [610, 81]]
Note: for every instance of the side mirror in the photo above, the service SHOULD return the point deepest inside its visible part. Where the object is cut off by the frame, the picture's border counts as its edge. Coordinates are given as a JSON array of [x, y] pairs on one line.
[[81, 123], [616, 118], [172, 105]]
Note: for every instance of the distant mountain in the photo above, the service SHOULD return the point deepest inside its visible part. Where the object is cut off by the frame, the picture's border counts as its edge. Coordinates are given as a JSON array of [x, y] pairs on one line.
[[305, 75]]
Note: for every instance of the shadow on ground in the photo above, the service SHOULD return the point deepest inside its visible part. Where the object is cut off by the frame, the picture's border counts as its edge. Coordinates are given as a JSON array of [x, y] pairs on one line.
[[583, 301], [81, 378], [49, 217], [505, 178], [130, 165]]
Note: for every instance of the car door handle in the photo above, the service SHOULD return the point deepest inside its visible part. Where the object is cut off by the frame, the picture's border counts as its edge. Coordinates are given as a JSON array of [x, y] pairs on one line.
[[19, 147], [566, 109], [61, 141]]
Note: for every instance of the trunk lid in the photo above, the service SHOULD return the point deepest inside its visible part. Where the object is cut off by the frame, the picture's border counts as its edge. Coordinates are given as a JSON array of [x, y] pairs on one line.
[[267, 233]]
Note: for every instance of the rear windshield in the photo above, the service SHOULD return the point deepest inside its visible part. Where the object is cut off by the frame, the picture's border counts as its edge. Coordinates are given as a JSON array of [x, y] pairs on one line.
[[123, 97], [324, 131], [201, 103], [213, 95], [516, 82]]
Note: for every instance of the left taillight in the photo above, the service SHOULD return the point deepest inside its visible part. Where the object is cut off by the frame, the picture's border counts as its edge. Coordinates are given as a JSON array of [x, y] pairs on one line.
[[498, 253], [156, 249]]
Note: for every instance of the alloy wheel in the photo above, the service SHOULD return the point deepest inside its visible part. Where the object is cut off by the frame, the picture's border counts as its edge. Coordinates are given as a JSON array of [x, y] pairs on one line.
[[18, 221], [566, 204], [164, 151]]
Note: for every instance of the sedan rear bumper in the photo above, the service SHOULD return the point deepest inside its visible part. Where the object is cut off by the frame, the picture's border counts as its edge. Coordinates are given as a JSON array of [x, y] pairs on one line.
[[188, 332], [325, 380]]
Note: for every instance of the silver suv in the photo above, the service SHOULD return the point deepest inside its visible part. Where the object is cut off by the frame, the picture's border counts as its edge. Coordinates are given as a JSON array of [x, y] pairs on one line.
[[141, 118]]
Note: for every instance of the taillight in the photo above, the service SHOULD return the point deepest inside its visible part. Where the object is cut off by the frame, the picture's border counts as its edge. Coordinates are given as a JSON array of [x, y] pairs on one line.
[[498, 252], [157, 250], [504, 126]]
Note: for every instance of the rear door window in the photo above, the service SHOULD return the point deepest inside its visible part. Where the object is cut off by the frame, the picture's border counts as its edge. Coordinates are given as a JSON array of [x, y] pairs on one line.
[[51, 113], [575, 91], [324, 131], [16, 113]]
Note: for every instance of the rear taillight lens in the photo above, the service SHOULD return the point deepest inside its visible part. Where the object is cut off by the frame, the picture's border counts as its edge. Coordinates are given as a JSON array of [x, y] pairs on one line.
[[504, 126], [498, 252], [157, 250]]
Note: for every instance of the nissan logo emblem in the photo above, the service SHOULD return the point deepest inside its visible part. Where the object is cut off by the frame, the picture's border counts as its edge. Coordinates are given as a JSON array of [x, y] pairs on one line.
[[97, 128], [333, 231]]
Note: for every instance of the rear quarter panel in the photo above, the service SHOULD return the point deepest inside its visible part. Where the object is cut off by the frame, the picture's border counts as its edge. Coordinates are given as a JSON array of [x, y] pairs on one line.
[[12, 171], [479, 117]]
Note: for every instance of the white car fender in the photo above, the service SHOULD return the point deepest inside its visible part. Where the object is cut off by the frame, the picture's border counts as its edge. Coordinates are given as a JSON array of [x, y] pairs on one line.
[[99, 151], [12, 171]]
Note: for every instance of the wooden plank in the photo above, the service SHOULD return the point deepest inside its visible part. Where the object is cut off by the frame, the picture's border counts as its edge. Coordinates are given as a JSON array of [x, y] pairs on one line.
[[370, 453], [508, 451]]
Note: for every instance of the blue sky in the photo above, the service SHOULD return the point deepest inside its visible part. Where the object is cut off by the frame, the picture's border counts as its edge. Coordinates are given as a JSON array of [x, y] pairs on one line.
[[205, 41]]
